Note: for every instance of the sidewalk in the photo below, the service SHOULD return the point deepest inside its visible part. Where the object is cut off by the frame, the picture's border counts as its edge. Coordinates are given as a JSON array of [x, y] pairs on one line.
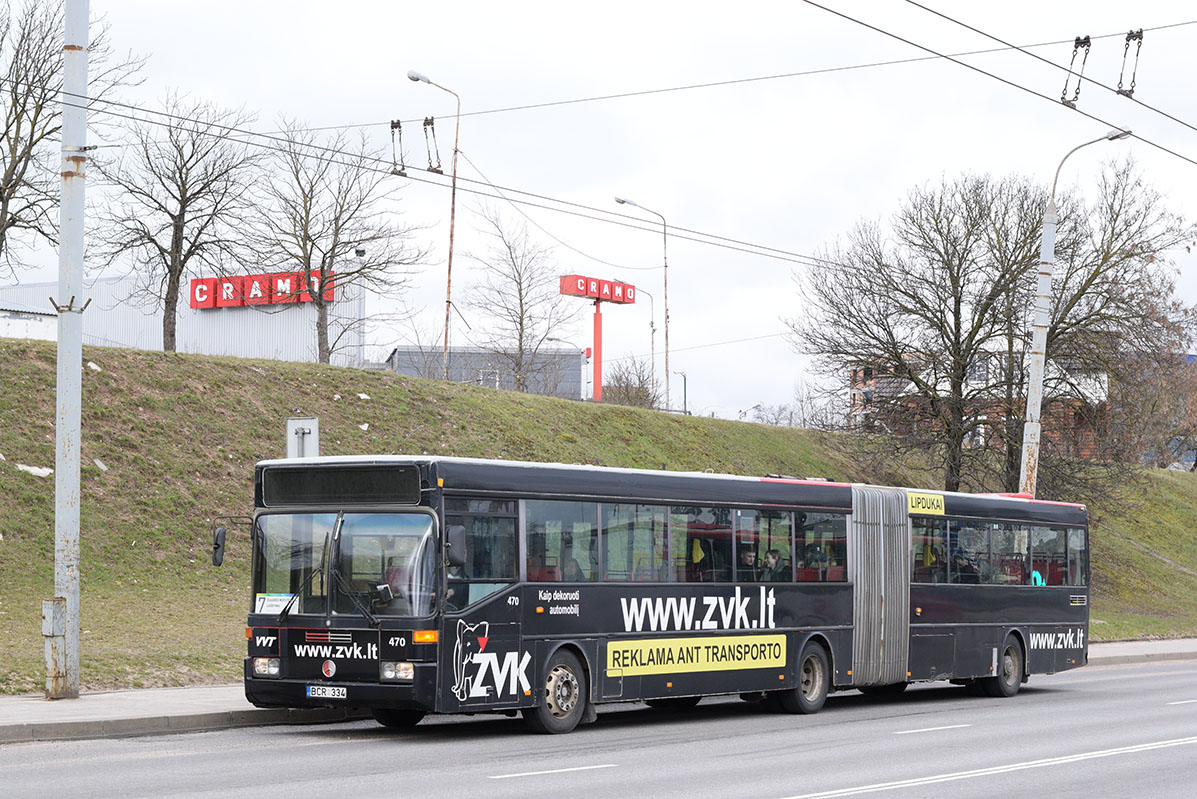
[[155, 711], [151, 711]]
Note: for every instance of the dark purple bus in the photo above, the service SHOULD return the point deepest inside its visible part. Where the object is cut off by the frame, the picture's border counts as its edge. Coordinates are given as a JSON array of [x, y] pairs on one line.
[[417, 585]]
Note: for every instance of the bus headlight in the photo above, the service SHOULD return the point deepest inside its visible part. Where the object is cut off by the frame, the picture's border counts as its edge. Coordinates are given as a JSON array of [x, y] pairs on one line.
[[266, 667], [392, 671]]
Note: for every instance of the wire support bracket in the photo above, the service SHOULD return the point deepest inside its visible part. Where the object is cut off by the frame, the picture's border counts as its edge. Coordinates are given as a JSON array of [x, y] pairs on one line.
[[1137, 37], [1079, 44]]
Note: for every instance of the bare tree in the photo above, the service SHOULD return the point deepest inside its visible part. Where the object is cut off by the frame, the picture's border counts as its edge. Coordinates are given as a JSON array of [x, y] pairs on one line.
[[630, 382], [519, 296], [424, 351], [31, 66], [183, 200], [1114, 309], [932, 329], [325, 200], [1156, 416], [816, 408]]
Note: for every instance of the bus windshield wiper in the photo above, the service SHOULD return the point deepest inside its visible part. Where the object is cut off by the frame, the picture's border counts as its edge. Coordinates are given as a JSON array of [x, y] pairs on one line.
[[304, 585], [342, 583]]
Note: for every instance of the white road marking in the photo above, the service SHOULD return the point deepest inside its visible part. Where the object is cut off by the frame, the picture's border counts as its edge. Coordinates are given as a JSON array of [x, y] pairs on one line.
[[933, 729], [988, 772], [1184, 702], [552, 771]]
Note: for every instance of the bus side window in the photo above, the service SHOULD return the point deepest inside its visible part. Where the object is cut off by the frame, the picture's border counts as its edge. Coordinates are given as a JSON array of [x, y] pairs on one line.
[[490, 542], [702, 544], [1049, 555], [968, 552], [1076, 557], [633, 542], [562, 541], [1011, 554], [929, 540]]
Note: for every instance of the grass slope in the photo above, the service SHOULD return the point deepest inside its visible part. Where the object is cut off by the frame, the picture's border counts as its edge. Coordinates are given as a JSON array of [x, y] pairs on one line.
[[179, 435]]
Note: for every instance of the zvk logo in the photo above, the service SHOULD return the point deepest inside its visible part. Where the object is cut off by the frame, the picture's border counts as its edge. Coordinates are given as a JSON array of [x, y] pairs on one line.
[[477, 672]]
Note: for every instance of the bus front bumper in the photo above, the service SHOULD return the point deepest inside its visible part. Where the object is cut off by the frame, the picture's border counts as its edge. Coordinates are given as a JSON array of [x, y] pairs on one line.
[[268, 692]]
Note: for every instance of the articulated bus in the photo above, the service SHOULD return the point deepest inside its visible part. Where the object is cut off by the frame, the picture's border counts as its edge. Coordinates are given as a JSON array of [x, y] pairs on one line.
[[417, 585]]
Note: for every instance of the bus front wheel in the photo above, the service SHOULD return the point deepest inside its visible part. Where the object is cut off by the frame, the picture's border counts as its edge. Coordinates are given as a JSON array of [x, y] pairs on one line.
[[1009, 677], [814, 677], [397, 719], [565, 696]]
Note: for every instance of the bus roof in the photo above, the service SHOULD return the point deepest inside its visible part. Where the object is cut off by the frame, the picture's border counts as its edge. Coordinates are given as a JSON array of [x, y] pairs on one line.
[[560, 480]]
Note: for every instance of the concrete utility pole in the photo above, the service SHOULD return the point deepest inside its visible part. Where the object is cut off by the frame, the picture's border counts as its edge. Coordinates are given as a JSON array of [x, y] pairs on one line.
[[60, 615], [1029, 467]]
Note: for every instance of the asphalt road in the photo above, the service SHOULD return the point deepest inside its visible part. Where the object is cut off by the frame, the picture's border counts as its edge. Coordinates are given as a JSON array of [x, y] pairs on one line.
[[1096, 732]]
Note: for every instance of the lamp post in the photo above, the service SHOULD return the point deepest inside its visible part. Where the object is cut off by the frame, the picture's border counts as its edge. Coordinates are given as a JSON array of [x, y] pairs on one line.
[[685, 406], [416, 76], [1029, 468], [665, 253], [652, 337]]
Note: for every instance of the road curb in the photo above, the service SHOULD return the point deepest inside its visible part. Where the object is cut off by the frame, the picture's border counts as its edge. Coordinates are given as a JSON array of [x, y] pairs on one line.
[[1122, 660], [165, 725]]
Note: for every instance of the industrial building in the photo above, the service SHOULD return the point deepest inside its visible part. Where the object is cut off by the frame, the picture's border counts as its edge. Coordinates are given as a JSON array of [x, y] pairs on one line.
[[279, 327]]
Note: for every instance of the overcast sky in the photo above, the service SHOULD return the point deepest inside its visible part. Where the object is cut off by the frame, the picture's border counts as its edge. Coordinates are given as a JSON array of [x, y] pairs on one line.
[[790, 163]]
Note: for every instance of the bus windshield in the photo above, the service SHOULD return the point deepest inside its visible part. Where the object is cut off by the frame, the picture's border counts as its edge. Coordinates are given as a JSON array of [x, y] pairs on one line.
[[381, 564]]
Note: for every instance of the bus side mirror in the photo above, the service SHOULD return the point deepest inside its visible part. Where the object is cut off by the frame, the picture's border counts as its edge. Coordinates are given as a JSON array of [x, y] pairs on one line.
[[218, 546], [455, 550]]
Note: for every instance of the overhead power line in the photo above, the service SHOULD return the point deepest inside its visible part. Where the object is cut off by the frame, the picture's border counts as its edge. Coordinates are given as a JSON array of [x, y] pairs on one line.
[[707, 346], [539, 227], [329, 154], [1051, 63], [1006, 81], [754, 79], [250, 138], [670, 89]]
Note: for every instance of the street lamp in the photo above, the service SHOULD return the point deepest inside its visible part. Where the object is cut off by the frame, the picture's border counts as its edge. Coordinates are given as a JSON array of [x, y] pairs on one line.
[[416, 76], [1029, 468], [665, 253], [685, 407], [652, 337]]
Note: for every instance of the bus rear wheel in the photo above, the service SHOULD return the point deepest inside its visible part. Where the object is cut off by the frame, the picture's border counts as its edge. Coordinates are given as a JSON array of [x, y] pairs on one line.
[[1009, 677], [398, 719], [814, 677], [565, 696]]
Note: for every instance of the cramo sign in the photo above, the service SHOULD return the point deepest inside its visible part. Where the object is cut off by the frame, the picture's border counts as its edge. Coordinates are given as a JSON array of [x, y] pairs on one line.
[[593, 288], [237, 290]]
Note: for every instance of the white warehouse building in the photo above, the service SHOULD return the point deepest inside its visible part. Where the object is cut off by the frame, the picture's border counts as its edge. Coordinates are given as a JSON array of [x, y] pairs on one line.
[[250, 320]]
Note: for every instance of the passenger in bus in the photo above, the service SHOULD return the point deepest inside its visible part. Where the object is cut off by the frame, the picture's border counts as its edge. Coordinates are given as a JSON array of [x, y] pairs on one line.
[[572, 571], [774, 570], [963, 570], [815, 559], [746, 569]]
